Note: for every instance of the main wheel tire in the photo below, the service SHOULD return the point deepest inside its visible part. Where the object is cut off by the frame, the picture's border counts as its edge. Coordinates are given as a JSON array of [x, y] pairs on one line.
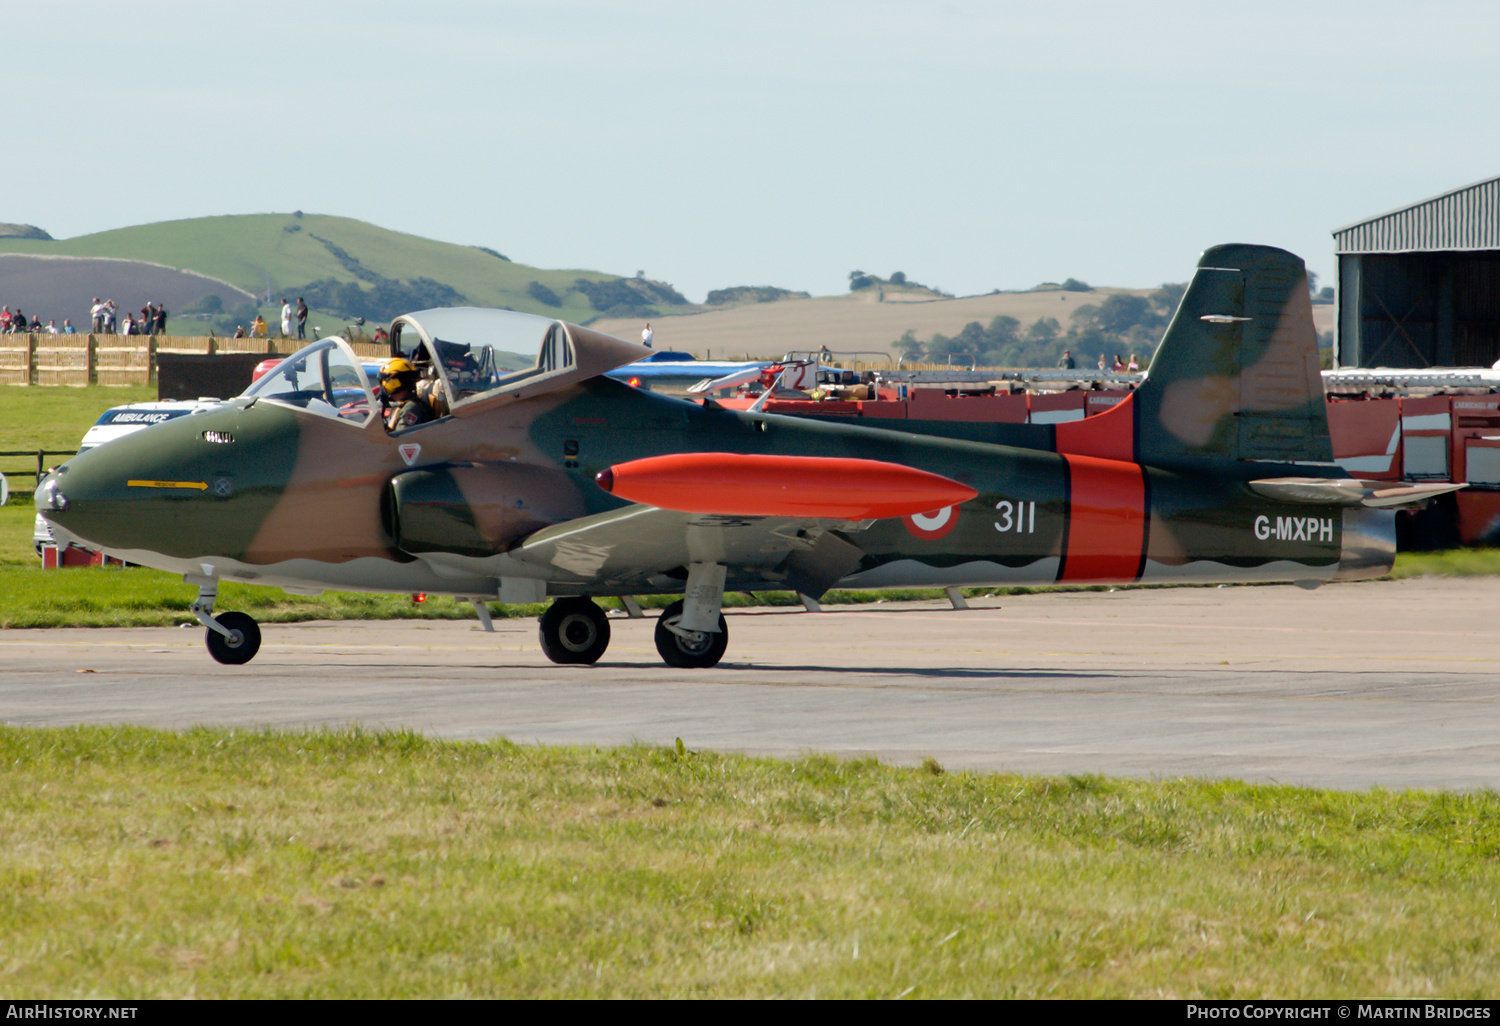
[[696, 650], [574, 631], [240, 648]]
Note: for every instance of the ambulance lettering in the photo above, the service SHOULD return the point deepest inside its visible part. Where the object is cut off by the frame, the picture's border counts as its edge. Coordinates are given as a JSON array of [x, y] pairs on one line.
[[1313, 529]]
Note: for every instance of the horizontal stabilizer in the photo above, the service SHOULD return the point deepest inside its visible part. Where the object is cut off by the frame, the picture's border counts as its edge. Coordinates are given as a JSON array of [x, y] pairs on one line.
[[736, 484], [1347, 491], [731, 380]]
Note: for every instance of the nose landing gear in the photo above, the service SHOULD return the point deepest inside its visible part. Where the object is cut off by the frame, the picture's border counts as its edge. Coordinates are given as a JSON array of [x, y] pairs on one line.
[[232, 638]]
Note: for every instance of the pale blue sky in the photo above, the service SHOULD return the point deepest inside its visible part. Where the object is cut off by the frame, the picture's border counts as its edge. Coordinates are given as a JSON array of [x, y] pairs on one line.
[[971, 145]]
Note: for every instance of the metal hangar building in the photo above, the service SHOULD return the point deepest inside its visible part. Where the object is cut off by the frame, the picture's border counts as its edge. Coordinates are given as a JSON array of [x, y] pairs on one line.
[[1420, 286]]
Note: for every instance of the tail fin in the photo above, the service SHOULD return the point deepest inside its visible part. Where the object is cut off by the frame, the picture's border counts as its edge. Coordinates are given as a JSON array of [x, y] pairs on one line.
[[1236, 375]]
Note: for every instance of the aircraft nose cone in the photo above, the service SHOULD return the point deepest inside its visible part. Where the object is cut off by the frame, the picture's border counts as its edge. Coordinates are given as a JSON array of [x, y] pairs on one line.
[[68, 503], [194, 486]]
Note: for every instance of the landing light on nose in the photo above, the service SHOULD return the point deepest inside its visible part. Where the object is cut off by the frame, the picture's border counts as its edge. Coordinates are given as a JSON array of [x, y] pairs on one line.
[[49, 497]]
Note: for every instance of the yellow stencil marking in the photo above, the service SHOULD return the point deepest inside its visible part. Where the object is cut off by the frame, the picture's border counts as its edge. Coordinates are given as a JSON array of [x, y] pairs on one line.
[[200, 485]]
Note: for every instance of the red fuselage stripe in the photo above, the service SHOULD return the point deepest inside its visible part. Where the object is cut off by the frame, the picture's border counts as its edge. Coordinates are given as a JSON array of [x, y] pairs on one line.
[[1106, 520]]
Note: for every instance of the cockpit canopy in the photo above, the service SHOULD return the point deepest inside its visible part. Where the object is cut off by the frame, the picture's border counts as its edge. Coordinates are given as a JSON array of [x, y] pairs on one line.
[[473, 356], [466, 358], [323, 378]]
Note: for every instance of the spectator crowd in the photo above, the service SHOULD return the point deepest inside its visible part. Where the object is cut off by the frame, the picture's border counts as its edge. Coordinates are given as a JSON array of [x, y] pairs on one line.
[[104, 319]]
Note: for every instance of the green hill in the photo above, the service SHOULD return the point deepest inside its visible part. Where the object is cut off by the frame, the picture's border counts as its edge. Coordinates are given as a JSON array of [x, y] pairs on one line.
[[350, 268]]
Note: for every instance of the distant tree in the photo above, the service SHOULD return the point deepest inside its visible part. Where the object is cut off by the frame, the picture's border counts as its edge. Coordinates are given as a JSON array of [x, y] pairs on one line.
[[1074, 285], [1312, 282], [209, 304], [1043, 329], [940, 345], [971, 339], [910, 345], [1165, 299], [898, 278], [1086, 317], [1119, 313], [542, 294], [1003, 331], [859, 280], [751, 294]]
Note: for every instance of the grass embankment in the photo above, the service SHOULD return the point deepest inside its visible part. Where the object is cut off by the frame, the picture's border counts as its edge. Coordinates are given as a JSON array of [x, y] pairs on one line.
[[216, 863]]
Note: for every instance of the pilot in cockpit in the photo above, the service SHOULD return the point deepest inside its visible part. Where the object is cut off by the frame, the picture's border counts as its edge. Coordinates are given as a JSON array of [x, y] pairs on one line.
[[401, 405]]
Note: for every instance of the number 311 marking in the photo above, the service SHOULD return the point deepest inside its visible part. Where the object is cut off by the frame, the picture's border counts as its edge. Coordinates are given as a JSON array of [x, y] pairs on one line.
[[1019, 517]]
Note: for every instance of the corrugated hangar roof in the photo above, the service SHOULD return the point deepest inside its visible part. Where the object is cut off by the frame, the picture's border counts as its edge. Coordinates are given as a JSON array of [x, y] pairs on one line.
[[1464, 219]]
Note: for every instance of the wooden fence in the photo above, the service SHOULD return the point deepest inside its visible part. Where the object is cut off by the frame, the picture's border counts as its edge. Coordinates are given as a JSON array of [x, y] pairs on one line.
[[34, 465], [116, 359]]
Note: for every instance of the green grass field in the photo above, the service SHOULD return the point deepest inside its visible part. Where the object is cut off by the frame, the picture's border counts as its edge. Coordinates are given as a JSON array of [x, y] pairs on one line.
[[141, 864], [230, 864]]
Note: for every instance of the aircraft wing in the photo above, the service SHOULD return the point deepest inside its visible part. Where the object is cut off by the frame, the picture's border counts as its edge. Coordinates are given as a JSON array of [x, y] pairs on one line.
[[769, 520], [644, 548]]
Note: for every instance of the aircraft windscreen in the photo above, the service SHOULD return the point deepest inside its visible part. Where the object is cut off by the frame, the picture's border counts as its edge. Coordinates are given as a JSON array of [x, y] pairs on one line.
[[322, 379]]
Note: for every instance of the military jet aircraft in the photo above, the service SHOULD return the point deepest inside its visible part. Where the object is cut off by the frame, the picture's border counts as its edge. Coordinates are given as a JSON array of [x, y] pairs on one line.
[[558, 481]]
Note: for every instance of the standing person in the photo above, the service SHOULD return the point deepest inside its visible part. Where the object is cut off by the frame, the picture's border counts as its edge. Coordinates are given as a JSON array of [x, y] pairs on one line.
[[96, 316], [5, 320], [161, 319], [18, 321], [1066, 363], [109, 316], [301, 319], [646, 336], [1134, 364], [286, 318]]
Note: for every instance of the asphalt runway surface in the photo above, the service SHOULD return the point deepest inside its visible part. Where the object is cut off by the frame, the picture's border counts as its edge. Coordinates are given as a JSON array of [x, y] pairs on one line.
[[1392, 684]]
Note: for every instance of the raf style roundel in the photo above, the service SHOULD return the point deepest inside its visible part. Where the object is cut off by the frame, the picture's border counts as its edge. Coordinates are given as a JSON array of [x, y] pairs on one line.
[[934, 523]]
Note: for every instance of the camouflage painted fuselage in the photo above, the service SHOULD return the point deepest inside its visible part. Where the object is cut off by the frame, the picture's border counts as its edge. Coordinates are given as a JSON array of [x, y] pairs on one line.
[[282, 496], [503, 489]]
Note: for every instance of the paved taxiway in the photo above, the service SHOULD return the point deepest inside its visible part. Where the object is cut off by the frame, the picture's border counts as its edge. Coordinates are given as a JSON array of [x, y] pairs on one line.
[[1354, 685]]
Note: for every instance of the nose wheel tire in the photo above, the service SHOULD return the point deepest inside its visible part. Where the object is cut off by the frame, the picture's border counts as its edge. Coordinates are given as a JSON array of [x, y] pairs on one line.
[[575, 631], [688, 649], [241, 646]]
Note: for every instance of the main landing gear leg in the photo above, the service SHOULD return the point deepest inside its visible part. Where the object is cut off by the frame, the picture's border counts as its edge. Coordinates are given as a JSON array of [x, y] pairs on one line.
[[232, 638], [691, 634]]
